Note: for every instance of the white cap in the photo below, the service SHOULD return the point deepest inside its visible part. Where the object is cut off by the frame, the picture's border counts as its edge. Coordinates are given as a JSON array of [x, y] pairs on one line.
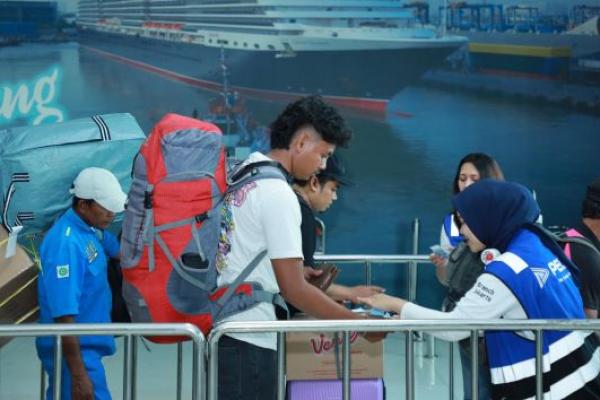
[[102, 186]]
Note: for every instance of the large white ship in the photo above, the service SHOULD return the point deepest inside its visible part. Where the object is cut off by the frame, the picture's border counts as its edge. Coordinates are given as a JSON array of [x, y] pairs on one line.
[[357, 53]]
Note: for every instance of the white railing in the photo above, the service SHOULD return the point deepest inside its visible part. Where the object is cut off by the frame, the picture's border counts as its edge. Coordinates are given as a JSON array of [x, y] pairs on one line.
[[407, 326], [367, 260], [130, 333], [201, 387]]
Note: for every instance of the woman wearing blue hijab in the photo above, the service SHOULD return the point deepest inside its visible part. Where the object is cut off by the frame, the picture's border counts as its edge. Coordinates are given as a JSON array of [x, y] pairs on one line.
[[529, 279]]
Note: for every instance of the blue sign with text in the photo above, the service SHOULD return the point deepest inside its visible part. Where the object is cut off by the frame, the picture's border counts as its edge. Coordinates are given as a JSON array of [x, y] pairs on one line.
[[35, 100]]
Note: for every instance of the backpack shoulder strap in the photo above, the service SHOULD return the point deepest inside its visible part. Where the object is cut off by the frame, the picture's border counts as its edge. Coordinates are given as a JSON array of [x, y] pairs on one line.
[[566, 238], [582, 241], [240, 171], [258, 295], [256, 171], [241, 278]]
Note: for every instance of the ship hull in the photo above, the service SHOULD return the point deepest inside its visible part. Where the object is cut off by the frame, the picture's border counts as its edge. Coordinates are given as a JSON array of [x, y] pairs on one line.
[[364, 77], [535, 56]]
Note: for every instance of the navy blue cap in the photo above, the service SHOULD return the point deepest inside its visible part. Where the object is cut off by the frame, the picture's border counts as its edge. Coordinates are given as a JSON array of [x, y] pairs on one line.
[[334, 170]]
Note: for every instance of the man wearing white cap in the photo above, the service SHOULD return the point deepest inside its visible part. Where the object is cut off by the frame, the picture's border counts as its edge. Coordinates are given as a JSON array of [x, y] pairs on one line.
[[73, 286]]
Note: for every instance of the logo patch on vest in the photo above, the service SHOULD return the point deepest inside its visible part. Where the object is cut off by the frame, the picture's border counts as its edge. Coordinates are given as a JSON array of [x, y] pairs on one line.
[[541, 274], [62, 271], [91, 252], [489, 255]]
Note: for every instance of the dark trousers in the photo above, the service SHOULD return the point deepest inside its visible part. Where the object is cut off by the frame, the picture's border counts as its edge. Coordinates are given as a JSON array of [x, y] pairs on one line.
[[246, 372]]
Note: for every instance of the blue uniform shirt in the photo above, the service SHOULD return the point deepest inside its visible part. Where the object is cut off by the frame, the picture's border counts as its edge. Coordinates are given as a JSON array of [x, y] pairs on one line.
[[73, 279]]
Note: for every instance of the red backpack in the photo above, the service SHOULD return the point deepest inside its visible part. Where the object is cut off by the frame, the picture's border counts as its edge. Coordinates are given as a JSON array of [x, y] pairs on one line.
[[172, 225]]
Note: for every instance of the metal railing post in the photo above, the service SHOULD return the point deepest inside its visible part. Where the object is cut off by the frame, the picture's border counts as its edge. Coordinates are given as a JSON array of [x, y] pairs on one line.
[[42, 383], [323, 235], [213, 366], [57, 367], [179, 369], [412, 265], [195, 370], [281, 365], [539, 364], [451, 370], [346, 393], [475, 364], [201, 354], [431, 347], [134, 357], [368, 273], [410, 366], [127, 357]]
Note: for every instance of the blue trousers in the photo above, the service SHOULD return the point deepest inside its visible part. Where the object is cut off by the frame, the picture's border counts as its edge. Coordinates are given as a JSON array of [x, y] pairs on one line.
[[94, 368]]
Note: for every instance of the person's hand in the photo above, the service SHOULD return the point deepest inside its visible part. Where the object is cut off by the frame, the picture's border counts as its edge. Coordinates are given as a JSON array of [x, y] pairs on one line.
[[374, 336], [383, 302], [440, 267], [81, 387], [310, 272], [439, 262], [364, 291]]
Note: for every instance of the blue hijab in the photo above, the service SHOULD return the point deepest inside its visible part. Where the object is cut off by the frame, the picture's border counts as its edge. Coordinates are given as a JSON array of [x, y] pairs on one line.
[[496, 210]]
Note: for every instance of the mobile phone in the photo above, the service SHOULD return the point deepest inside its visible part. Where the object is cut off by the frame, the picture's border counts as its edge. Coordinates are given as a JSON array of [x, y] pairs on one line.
[[373, 312], [439, 251], [377, 313]]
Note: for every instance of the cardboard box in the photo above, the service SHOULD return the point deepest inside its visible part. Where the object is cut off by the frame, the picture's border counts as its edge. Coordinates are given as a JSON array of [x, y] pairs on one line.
[[18, 287], [317, 356]]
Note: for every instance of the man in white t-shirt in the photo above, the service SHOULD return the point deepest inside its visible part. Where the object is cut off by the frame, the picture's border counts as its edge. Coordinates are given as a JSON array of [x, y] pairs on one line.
[[265, 215]]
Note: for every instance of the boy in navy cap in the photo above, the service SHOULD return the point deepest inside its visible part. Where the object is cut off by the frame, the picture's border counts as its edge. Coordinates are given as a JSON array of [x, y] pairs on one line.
[[316, 195]]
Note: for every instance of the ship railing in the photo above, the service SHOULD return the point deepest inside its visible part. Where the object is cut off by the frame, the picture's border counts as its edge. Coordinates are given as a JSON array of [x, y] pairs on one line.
[[346, 328], [130, 332]]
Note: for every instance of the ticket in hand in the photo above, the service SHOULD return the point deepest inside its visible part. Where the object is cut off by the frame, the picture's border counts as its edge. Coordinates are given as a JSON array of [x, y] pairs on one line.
[[439, 251]]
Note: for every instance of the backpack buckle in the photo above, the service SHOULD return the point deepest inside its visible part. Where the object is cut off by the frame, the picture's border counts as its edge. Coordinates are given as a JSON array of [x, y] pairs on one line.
[[147, 200], [202, 217]]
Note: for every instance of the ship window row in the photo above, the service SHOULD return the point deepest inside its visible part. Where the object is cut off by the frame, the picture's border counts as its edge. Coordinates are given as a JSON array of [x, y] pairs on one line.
[[253, 6], [194, 18], [235, 43], [250, 13]]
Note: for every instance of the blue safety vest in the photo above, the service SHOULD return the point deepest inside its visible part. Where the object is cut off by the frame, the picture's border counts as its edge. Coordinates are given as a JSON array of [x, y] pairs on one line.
[[545, 290]]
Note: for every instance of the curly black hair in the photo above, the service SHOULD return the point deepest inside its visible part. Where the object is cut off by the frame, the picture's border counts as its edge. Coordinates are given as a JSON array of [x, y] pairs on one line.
[[309, 111]]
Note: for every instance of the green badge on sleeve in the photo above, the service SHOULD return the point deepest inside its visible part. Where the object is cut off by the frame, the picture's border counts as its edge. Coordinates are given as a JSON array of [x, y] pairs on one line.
[[62, 271]]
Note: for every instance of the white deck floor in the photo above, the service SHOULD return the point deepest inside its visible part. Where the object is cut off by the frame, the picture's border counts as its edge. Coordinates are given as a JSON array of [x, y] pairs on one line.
[[20, 371]]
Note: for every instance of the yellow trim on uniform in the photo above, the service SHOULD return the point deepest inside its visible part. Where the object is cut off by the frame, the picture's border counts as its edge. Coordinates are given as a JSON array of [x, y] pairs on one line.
[[517, 50]]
